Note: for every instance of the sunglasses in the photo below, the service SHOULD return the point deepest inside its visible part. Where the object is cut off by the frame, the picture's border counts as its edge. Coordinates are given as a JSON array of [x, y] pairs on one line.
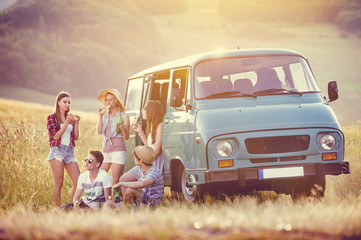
[[89, 160]]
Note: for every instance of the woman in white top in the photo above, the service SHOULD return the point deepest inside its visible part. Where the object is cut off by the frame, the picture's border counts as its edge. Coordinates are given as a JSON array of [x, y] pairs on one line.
[[114, 125], [153, 114]]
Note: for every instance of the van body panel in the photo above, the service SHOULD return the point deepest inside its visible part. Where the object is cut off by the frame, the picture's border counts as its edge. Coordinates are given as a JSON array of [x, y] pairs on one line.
[[269, 112], [192, 60], [178, 139]]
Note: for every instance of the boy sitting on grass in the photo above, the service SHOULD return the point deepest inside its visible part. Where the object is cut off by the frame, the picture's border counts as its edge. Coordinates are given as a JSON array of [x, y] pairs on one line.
[[149, 189]]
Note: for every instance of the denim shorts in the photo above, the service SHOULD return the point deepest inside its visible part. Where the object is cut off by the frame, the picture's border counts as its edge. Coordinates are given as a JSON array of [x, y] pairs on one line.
[[119, 157], [62, 153]]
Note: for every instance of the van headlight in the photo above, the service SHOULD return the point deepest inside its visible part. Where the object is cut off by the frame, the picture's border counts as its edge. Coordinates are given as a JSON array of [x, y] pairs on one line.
[[328, 142], [224, 149]]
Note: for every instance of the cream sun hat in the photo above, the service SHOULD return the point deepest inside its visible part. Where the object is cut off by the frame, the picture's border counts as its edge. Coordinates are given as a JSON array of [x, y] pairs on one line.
[[115, 92], [145, 153]]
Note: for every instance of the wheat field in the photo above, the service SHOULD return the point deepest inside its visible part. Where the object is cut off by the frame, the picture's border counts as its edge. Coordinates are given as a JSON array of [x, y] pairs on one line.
[[26, 210]]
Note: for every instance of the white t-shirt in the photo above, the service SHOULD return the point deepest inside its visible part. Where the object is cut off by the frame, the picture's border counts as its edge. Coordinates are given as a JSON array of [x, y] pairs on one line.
[[65, 138], [94, 191]]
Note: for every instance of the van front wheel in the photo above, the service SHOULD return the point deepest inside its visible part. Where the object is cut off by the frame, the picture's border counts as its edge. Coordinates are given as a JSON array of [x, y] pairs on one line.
[[190, 192]]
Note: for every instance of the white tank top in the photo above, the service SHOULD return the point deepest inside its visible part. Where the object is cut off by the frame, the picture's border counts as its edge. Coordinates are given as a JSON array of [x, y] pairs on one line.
[[158, 163], [65, 139], [149, 140]]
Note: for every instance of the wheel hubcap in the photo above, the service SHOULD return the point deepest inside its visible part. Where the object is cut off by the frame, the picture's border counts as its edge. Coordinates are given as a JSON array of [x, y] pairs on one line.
[[189, 191]]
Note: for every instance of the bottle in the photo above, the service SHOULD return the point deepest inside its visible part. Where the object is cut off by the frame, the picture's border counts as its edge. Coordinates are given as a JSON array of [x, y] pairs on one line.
[[76, 203], [116, 195], [134, 120], [119, 130]]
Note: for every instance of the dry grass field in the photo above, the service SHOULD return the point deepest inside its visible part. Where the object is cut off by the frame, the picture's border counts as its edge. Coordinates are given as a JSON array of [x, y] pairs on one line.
[[26, 210]]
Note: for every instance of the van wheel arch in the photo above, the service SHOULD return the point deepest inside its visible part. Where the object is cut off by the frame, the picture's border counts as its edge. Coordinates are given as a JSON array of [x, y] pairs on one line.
[[179, 186]]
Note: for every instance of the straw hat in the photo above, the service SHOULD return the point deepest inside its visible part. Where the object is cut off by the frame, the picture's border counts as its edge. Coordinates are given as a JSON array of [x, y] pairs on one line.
[[101, 95], [145, 153]]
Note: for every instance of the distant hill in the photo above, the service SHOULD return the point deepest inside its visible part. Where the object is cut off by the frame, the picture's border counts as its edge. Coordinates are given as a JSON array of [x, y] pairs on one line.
[[4, 4], [80, 46]]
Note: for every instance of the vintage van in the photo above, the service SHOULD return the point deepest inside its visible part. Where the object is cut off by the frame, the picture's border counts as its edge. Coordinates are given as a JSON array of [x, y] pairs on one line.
[[242, 120]]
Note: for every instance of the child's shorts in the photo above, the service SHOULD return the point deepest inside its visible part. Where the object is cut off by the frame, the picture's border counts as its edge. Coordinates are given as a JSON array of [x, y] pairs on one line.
[[147, 200]]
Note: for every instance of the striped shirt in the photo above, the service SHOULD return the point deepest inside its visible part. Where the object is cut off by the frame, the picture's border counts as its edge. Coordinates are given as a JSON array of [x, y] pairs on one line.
[[154, 191], [94, 191]]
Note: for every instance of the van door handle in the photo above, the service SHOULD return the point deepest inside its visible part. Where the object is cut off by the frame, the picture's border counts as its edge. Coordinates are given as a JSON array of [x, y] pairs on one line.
[[166, 121]]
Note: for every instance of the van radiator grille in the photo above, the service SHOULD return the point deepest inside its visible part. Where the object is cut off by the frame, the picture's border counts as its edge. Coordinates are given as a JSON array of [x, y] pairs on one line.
[[281, 144]]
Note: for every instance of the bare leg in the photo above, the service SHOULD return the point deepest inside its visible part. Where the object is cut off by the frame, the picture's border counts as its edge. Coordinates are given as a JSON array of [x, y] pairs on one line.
[[105, 166], [117, 172], [130, 195], [109, 205], [74, 172], [57, 167], [126, 177]]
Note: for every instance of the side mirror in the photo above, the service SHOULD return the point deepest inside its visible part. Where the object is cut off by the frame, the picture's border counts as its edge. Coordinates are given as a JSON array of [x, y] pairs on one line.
[[332, 91], [176, 97]]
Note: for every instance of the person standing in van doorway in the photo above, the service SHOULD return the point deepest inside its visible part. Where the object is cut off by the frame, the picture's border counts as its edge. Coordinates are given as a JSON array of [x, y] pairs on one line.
[[114, 124], [63, 129], [152, 137]]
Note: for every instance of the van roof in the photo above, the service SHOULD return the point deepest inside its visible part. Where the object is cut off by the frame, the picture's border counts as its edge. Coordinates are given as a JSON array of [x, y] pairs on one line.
[[193, 59]]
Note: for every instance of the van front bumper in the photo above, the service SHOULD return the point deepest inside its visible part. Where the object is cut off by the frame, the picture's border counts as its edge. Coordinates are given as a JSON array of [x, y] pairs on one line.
[[246, 174]]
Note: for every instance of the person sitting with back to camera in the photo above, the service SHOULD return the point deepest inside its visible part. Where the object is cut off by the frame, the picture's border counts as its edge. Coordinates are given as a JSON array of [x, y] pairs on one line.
[[149, 189]]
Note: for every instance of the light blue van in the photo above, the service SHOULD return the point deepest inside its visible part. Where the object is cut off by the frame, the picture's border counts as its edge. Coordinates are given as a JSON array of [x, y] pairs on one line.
[[242, 120]]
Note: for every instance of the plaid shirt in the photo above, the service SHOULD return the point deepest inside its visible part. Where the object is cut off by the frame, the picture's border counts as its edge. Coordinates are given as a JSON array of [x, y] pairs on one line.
[[53, 127]]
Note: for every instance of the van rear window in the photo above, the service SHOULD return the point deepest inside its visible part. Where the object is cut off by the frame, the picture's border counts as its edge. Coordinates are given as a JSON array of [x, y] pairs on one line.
[[134, 93]]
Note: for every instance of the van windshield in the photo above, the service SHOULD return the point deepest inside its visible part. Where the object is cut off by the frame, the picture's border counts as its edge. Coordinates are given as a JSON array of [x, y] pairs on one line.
[[253, 76]]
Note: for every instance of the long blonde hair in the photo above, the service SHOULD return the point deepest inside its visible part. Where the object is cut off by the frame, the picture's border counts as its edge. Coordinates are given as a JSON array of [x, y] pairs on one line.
[[57, 111], [154, 117]]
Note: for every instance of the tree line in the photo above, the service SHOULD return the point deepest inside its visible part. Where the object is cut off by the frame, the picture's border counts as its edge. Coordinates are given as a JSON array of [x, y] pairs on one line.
[[344, 13], [80, 46]]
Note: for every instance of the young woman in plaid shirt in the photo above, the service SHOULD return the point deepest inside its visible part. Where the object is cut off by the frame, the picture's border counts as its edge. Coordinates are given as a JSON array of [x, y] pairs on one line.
[[63, 128]]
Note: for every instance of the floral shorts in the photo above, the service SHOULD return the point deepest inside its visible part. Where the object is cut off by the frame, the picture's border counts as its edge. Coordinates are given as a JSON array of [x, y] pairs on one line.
[[62, 153]]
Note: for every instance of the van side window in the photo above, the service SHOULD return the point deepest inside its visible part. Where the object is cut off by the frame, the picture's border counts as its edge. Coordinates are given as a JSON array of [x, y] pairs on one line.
[[157, 88], [134, 93], [179, 87]]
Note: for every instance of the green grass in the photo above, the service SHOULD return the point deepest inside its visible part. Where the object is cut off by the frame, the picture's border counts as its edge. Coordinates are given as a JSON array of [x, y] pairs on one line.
[[27, 212]]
